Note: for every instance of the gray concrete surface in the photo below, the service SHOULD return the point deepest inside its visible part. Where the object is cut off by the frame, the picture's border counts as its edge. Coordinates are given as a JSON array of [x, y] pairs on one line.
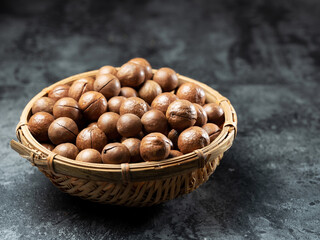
[[263, 55]]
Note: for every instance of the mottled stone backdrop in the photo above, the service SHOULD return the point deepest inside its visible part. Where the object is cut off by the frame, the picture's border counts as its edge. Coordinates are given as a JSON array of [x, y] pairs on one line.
[[263, 55]]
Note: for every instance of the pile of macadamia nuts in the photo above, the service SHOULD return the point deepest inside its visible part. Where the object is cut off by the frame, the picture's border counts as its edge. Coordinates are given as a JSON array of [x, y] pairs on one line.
[[127, 115]]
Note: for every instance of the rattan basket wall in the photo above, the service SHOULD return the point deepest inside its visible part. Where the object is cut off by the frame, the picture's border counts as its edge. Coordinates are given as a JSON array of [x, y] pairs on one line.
[[134, 184]]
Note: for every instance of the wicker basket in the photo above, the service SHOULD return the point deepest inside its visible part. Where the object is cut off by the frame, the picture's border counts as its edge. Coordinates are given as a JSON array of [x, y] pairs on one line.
[[134, 184]]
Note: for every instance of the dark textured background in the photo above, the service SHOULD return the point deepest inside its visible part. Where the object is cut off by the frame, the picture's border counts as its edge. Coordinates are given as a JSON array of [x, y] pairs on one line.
[[263, 55]]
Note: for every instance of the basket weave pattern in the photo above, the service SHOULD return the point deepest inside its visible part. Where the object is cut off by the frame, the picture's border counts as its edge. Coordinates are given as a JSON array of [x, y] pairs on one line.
[[138, 184]]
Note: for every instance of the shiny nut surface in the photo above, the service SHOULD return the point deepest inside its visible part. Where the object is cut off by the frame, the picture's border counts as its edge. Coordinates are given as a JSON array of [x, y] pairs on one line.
[[39, 124], [115, 153], [67, 150], [44, 104], [129, 125], [89, 155], [163, 101], [134, 105], [192, 138], [91, 138], [155, 147], [166, 78], [93, 105], [63, 130], [58, 92], [154, 121], [108, 85], [80, 87], [181, 114], [192, 92]]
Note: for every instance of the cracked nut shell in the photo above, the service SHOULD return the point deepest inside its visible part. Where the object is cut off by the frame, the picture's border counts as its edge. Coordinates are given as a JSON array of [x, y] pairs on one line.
[[59, 91], [108, 85], [93, 105], [155, 147], [134, 105], [67, 107], [63, 130], [80, 87], [115, 153], [181, 114], [91, 138]]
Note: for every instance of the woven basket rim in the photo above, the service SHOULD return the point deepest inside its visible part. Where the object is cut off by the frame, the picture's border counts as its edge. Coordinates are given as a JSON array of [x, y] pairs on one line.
[[132, 171]]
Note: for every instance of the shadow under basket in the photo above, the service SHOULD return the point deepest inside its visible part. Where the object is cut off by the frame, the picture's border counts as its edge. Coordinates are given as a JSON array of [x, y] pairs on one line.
[[128, 184]]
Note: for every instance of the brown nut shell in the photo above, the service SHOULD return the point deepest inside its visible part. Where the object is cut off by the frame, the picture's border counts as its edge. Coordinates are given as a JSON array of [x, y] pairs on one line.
[[107, 70], [67, 107], [154, 121], [193, 138], [115, 103], [149, 91], [48, 146], [107, 122], [63, 130], [128, 92], [146, 66], [67, 150], [192, 92], [201, 115], [215, 113], [181, 114], [108, 85], [58, 92], [166, 78], [155, 147], [174, 153], [173, 135], [133, 145], [89, 155], [91, 138], [134, 105], [163, 101], [39, 124], [115, 153], [93, 125], [80, 87], [93, 105], [131, 75], [129, 125], [213, 130], [43, 104]]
